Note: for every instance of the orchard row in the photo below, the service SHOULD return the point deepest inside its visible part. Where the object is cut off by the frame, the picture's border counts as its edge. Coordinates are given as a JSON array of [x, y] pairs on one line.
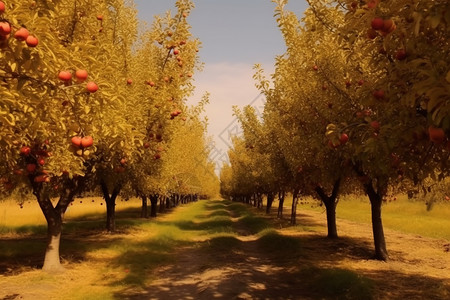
[[359, 103], [92, 101]]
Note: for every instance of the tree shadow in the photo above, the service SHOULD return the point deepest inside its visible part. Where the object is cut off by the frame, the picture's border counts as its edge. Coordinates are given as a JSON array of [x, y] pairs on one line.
[[263, 264]]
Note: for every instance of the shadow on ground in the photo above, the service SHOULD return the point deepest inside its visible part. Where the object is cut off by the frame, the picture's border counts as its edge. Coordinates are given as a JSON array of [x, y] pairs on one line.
[[256, 262]]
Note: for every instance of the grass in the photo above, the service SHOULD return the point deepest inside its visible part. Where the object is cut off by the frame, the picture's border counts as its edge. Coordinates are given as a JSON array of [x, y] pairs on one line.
[[103, 266], [403, 215]]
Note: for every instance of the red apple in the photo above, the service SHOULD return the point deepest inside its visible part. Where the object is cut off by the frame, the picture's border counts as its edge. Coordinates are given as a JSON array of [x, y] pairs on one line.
[[166, 79], [360, 82], [176, 51], [183, 42], [123, 161], [371, 34], [401, 54], [151, 83], [76, 141], [377, 23], [41, 161], [375, 125], [25, 150], [5, 28], [65, 75], [129, 81], [22, 34], [378, 94], [146, 145], [32, 41], [81, 75], [41, 178], [388, 26], [157, 156], [2, 7], [315, 68], [343, 139], [92, 87], [100, 17], [437, 135], [31, 168], [372, 4], [87, 141]]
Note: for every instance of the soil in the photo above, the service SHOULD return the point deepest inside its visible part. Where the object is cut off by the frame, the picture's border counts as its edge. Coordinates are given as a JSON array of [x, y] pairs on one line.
[[297, 266], [419, 268]]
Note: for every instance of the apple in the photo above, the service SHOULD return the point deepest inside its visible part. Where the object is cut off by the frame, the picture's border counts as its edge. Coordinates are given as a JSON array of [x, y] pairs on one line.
[[372, 4], [91, 87], [315, 68], [189, 74], [360, 82], [378, 94], [166, 79], [87, 141], [146, 145], [76, 141], [184, 15], [388, 26], [5, 28], [151, 83], [32, 41], [41, 161], [377, 23], [18, 172], [100, 17], [25, 150], [184, 43], [437, 135], [169, 33], [157, 156], [41, 178], [176, 51], [81, 75], [123, 161], [129, 81], [21, 34], [375, 125], [343, 139], [2, 7], [400, 54], [65, 75], [31, 168], [371, 34]]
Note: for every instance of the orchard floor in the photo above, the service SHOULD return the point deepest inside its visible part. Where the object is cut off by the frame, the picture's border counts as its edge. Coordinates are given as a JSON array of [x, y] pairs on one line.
[[231, 251]]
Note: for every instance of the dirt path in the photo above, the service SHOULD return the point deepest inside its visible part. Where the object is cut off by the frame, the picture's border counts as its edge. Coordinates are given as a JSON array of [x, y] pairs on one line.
[[301, 264]]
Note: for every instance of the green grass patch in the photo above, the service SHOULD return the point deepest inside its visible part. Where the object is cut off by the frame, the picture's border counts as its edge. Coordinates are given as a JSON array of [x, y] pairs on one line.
[[338, 284], [402, 215], [273, 243], [253, 224]]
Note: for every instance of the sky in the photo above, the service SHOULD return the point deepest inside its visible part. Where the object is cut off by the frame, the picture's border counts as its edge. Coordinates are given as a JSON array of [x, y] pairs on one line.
[[235, 35]]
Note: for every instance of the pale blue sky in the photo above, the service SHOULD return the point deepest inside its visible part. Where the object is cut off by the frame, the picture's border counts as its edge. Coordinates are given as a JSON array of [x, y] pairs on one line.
[[235, 35]]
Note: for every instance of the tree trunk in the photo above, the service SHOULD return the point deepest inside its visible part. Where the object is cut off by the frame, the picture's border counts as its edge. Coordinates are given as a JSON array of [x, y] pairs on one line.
[[294, 207], [110, 205], [144, 209], [281, 196], [162, 204], [330, 205], [54, 217], [377, 224], [270, 197], [153, 205]]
